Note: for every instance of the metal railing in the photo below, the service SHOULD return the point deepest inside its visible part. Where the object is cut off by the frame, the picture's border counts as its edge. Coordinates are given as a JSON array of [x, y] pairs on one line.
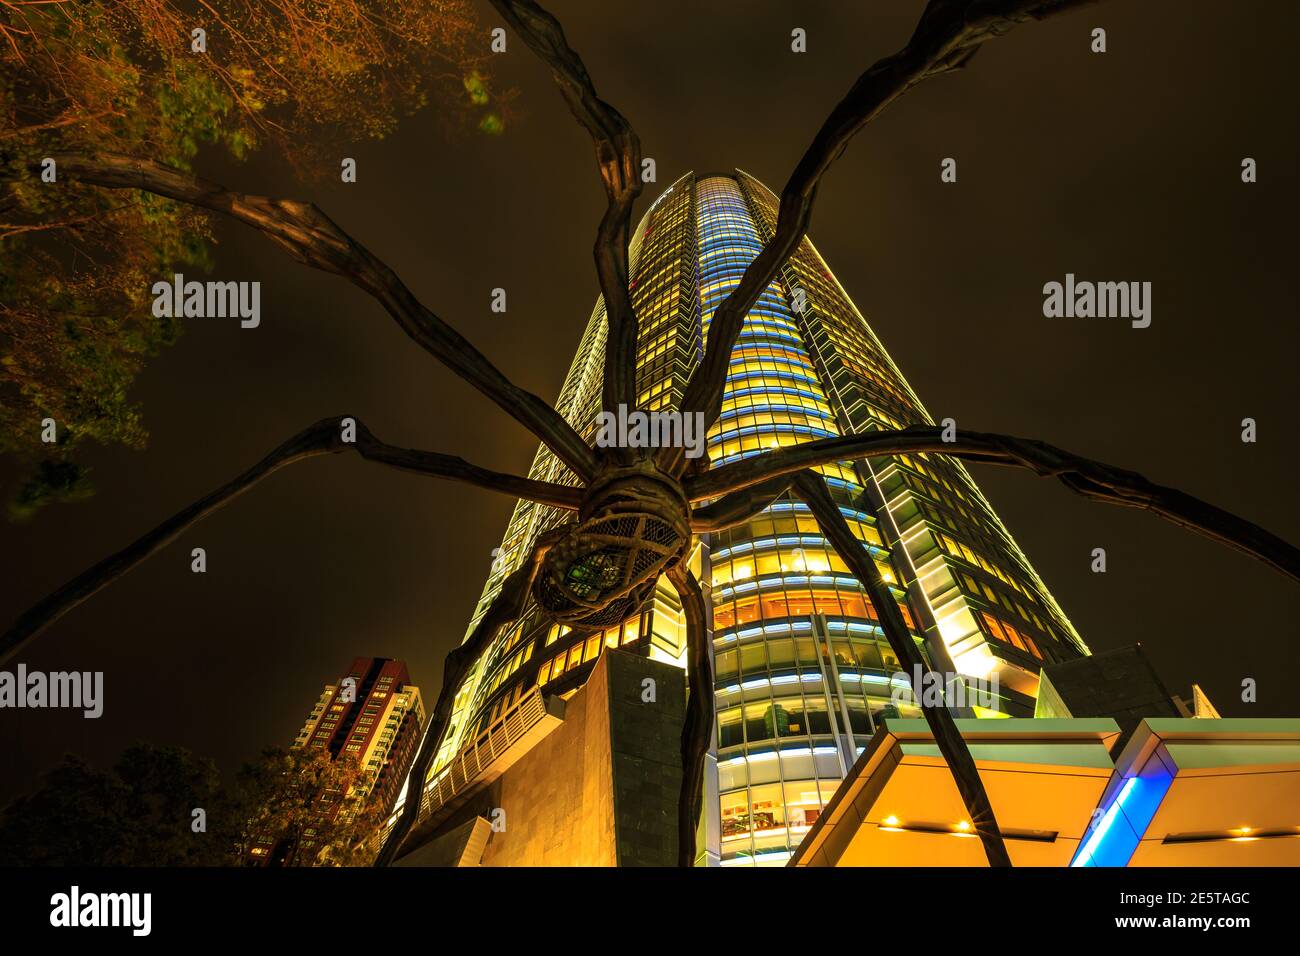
[[478, 754]]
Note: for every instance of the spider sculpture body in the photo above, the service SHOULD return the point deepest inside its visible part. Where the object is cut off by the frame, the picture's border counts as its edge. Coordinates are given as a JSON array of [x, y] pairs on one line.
[[635, 511], [633, 526]]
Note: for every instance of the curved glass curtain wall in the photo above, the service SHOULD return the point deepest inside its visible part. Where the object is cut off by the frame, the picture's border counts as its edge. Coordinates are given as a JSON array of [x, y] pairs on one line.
[[803, 671], [802, 668]]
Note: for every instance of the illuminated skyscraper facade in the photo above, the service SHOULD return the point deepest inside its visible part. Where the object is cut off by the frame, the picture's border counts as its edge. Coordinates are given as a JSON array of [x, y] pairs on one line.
[[371, 718], [803, 671], [372, 715]]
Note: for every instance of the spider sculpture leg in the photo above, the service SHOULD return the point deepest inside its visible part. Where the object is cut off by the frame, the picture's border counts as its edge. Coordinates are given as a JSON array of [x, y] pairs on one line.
[[812, 489], [739, 506], [508, 606], [326, 437], [697, 731], [697, 728]]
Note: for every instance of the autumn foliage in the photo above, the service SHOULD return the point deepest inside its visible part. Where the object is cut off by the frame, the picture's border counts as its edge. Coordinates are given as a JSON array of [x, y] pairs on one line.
[[133, 77]]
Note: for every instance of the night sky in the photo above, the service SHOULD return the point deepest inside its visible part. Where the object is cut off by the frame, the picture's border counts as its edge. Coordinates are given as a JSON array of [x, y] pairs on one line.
[[1122, 166]]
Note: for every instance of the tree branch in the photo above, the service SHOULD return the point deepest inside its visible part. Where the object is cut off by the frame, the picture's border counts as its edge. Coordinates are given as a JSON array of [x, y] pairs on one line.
[[618, 157], [697, 728], [946, 37], [946, 735], [322, 438], [1092, 479], [313, 238]]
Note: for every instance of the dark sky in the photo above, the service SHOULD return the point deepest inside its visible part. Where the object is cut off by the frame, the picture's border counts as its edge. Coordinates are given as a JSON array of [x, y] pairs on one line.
[[1122, 166]]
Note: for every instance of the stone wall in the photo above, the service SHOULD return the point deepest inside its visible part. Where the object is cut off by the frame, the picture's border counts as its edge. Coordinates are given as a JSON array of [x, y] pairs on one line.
[[601, 788]]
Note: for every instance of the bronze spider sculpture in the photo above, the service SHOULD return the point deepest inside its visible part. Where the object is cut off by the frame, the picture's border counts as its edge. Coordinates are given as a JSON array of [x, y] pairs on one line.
[[636, 510]]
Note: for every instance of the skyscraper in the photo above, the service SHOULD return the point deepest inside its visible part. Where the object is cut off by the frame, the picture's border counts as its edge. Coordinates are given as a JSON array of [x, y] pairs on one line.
[[802, 667], [373, 714]]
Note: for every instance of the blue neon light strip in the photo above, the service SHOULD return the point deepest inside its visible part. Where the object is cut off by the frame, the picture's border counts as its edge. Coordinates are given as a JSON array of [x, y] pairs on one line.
[[1115, 838]]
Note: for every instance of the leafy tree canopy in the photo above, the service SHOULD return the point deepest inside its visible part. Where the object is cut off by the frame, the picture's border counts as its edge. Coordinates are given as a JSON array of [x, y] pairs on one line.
[[131, 77], [141, 812]]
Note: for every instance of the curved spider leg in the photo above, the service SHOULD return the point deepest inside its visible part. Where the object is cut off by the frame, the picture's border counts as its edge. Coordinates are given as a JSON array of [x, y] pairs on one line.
[[811, 488], [697, 728], [1083, 476], [738, 506], [323, 438], [508, 606], [618, 157], [314, 239], [947, 35]]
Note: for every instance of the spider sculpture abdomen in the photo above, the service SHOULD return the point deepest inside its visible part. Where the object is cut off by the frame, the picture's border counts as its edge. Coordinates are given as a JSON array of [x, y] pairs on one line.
[[607, 564]]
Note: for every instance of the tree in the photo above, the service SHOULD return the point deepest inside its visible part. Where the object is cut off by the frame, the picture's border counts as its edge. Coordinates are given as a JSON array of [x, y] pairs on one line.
[[304, 805], [638, 510], [141, 812], [132, 77]]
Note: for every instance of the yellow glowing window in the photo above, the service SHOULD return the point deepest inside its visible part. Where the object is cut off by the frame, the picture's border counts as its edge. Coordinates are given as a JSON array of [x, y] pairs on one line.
[[747, 610]]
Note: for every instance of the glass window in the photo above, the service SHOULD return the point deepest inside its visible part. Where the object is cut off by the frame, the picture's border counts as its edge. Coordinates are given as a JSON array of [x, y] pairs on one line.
[[774, 606], [735, 814], [747, 610], [801, 604], [767, 807], [781, 653], [724, 616], [797, 764], [855, 605], [818, 720], [803, 803], [807, 652], [726, 664], [867, 654], [859, 721], [730, 728], [827, 602], [791, 721], [757, 721]]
